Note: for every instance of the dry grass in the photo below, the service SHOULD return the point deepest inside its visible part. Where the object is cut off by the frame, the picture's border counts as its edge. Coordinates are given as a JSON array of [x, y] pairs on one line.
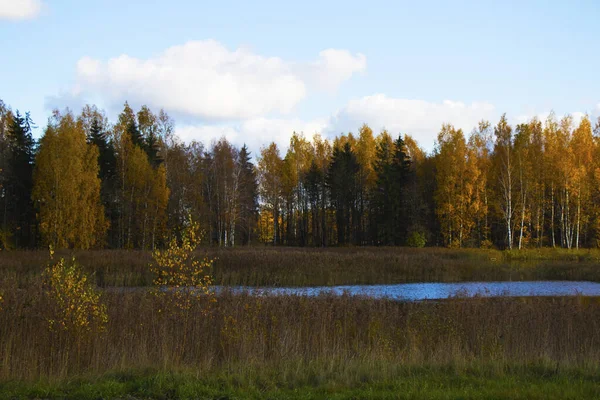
[[268, 266], [256, 332]]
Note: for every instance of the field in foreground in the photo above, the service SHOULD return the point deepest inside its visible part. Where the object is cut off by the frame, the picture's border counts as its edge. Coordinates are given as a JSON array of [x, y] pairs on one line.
[[144, 331], [328, 346], [269, 266], [323, 381]]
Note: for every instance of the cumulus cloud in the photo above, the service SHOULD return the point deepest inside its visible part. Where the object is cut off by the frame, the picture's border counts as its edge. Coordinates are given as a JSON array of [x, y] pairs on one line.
[[205, 79], [419, 118], [332, 68], [19, 9]]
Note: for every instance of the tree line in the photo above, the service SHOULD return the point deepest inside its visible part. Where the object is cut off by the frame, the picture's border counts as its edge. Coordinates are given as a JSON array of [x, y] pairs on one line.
[[89, 183]]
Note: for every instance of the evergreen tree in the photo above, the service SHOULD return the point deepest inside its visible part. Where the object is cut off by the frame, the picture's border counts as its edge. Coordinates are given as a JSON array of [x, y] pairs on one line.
[[19, 216], [106, 151], [383, 192], [107, 163], [401, 176], [314, 181], [342, 182], [248, 196], [148, 139]]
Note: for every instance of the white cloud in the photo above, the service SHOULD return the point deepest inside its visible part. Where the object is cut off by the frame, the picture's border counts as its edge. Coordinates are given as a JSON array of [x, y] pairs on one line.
[[332, 68], [255, 132], [19, 9], [419, 118], [205, 79]]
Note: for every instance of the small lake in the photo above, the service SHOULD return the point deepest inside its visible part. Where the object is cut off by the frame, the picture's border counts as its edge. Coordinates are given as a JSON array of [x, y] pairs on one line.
[[437, 291]]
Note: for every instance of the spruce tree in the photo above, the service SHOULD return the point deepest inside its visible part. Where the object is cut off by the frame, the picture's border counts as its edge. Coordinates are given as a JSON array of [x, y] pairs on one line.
[[152, 148], [18, 184], [134, 133], [383, 191], [248, 196], [400, 177], [106, 151], [107, 163], [341, 180]]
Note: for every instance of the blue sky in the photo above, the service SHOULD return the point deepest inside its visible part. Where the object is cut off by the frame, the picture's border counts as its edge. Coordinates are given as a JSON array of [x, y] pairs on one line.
[[255, 71]]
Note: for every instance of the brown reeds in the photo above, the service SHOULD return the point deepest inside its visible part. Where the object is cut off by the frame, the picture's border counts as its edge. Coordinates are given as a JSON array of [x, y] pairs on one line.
[[257, 331], [268, 266]]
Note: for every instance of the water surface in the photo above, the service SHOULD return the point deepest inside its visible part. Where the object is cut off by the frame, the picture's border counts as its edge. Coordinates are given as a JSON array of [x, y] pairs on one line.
[[436, 291]]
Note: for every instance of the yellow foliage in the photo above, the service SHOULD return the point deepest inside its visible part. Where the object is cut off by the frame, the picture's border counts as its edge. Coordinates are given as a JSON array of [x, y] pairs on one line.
[[74, 301], [179, 276], [66, 187]]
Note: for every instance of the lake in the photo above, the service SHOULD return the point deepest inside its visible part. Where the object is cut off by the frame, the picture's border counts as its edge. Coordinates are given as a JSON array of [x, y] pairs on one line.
[[436, 291]]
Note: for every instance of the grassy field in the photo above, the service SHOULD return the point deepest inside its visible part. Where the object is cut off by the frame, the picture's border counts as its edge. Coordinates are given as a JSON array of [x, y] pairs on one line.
[[256, 347], [268, 266], [143, 331], [324, 381]]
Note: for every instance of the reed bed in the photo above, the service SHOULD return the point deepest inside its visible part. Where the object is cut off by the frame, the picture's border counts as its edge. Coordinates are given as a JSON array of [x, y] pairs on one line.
[[264, 332], [275, 266]]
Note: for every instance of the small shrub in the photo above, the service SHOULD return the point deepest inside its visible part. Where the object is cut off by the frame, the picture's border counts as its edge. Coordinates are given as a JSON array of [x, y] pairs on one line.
[[416, 239], [74, 301], [180, 278], [487, 244]]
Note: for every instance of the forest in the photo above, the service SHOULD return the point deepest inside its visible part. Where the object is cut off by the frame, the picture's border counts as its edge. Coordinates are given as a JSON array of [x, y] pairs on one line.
[[90, 183]]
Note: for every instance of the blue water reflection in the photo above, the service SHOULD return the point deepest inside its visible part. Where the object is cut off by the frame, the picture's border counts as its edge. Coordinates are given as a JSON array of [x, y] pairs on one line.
[[433, 291]]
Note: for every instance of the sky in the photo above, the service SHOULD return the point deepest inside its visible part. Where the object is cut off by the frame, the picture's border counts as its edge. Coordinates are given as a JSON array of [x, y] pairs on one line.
[[255, 71]]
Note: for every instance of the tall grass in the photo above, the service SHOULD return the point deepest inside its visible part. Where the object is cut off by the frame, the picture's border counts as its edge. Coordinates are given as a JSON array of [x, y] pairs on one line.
[[276, 332], [267, 266]]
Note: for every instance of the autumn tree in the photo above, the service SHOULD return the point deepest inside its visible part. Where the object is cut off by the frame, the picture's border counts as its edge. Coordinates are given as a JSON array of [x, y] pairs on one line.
[[457, 200], [480, 147], [523, 176], [538, 181], [66, 190], [223, 174], [296, 165], [582, 145], [316, 189], [142, 194], [552, 155], [504, 170], [270, 170]]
